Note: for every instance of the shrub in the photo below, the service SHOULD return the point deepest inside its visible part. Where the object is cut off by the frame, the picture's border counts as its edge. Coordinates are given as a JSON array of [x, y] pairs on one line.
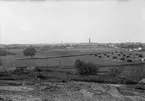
[[96, 55], [84, 68], [114, 57], [129, 60], [116, 71], [128, 56], [129, 81], [140, 55], [100, 56], [122, 58], [108, 55], [133, 75], [118, 54], [91, 54], [129, 53], [105, 54], [2, 52]]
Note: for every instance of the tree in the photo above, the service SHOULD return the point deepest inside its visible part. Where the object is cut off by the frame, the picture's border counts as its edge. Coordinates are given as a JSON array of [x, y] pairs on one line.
[[30, 51], [2, 52], [85, 68], [1, 63]]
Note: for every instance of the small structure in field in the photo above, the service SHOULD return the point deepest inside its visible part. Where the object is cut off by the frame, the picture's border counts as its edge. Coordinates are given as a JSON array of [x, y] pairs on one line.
[[142, 60]]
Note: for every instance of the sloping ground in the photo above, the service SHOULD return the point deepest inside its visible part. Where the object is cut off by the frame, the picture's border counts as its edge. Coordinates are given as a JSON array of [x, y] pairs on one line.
[[70, 91]]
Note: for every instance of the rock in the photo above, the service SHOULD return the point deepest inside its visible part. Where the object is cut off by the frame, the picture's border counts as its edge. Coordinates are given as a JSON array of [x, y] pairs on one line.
[[114, 92], [127, 99], [86, 93], [97, 87], [142, 81]]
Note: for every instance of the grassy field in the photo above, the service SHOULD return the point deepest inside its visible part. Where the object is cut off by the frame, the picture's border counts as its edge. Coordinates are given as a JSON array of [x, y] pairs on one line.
[[65, 62], [9, 61]]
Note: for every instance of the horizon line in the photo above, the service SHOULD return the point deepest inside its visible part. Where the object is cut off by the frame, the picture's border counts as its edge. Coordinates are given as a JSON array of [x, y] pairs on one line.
[[69, 43]]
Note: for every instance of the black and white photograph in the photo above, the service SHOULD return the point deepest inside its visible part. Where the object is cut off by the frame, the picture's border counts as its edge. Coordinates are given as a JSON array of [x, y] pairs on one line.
[[72, 50]]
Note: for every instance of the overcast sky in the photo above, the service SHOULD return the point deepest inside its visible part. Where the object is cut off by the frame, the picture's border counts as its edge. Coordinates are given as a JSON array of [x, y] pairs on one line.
[[72, 21]]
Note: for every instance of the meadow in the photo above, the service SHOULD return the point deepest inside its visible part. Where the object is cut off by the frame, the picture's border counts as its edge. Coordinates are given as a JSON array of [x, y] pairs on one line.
[[100, 56], [9, 61]]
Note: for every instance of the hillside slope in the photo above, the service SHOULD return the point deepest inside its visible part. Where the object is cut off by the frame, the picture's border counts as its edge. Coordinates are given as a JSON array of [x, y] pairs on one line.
[[70, 91]]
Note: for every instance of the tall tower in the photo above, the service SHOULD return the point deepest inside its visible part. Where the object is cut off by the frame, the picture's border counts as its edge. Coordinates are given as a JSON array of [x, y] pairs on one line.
[[89, 40]]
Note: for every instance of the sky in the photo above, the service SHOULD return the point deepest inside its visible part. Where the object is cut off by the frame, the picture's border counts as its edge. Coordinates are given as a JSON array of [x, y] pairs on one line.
[[72, 21]]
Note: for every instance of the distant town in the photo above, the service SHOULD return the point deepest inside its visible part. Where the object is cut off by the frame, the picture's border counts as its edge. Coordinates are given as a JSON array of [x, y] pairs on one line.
[[131, 46]]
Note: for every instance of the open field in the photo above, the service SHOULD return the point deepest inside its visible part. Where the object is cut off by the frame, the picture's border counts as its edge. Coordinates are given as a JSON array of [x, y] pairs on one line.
[[68, 61], [106, 58], [66, 64]]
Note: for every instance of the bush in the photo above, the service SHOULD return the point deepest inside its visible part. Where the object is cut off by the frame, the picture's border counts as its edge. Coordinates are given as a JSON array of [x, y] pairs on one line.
[[2, 52], [140, 55], [84, 68], [116, 71], [128, 56], [96, 55], [122, 58], [91, 54], [129, 60], [114, 57], [129, 81], [100, 56], [105, 54], [132, 75]]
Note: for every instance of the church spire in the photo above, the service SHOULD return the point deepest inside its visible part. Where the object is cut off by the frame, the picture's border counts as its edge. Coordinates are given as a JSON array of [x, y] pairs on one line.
[[89, 40]]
